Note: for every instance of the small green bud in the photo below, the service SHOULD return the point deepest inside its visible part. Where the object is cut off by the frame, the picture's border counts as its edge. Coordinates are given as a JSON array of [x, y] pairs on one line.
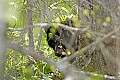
[[88, 35], [85, 12], [68, 53], [107, 19], [50, 35], [52, 30]]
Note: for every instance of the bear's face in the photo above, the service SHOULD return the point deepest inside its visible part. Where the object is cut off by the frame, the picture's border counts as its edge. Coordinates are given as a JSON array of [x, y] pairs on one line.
[[58, 40]]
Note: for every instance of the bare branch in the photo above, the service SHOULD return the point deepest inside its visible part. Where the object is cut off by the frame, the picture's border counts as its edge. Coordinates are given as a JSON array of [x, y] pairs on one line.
[[97, 75], [25, 51], [47, 25], [63, 67], [31, 26], [77, 53], [29, 22]]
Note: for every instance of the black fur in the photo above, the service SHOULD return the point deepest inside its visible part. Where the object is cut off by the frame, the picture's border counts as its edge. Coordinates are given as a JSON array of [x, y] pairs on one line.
[[56, 40]]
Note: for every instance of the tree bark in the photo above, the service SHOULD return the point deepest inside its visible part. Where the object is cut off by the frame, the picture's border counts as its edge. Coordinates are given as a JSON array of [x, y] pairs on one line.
[[2, 39]]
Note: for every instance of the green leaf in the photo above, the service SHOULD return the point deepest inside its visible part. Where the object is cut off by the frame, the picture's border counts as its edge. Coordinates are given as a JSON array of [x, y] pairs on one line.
[[50, 35], [96, 78], [97, 7], [52, 30], [92, 13], [85, 12], [64, 9], [107, 19], [88, 35], [68, 53], [77, 23], [99, 21]]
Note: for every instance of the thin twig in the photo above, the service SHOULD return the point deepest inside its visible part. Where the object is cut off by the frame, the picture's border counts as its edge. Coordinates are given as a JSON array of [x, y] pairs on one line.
[[61, 66], [47, 25], [34, 54], [97, 75], [80, 52]]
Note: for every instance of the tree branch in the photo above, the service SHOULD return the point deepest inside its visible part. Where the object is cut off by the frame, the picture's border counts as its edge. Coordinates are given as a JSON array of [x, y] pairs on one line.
[[29, 22], [66, 69], [80, 52], [25, 51], [47, 25]]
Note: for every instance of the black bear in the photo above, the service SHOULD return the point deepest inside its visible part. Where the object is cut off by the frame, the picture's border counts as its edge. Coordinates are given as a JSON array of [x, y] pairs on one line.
[[57, 36]]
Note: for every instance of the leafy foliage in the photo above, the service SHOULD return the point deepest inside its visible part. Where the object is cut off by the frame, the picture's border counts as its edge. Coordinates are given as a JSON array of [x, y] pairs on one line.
[[24, 67]]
